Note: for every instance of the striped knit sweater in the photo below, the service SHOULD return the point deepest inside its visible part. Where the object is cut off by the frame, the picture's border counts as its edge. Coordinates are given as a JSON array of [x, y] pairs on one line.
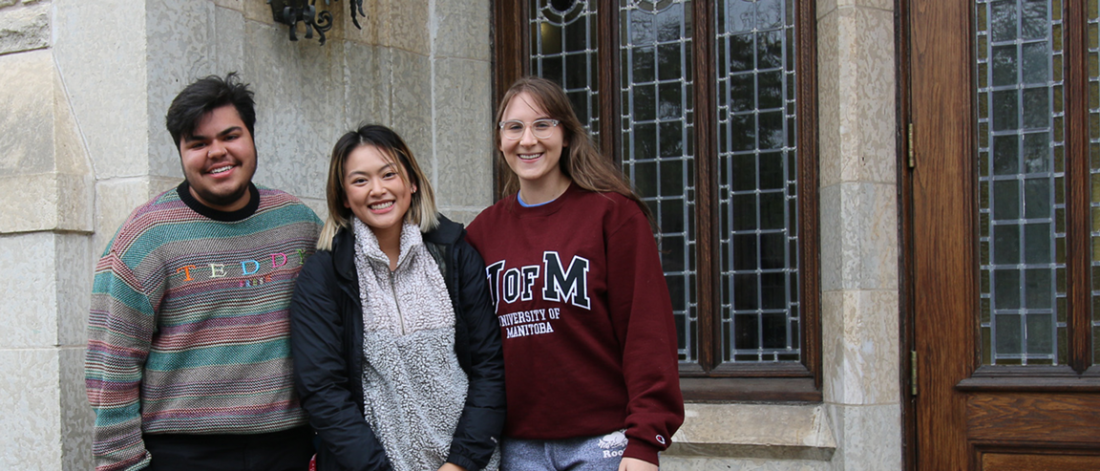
[[188, 331]]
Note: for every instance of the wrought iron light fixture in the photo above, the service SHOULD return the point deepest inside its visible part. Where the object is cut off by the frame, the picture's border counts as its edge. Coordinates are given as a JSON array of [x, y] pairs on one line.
[[290, 12]]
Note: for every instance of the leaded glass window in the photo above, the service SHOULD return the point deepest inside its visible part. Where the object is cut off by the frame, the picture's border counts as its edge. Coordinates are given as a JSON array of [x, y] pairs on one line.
[[657, 130], [705, 126], [1021, 185], [758, 181], [1038, 142], [564, 48]]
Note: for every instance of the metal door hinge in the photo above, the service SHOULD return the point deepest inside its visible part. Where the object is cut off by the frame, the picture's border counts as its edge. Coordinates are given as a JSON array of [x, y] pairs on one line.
[[912, 159], [913, 372]]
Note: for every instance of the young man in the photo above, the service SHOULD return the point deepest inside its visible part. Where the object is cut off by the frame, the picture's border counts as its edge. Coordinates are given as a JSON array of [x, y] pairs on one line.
[[188, 342]]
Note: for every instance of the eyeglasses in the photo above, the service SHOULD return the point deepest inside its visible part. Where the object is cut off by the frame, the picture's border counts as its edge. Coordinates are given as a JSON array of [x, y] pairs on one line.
[[541, 128]]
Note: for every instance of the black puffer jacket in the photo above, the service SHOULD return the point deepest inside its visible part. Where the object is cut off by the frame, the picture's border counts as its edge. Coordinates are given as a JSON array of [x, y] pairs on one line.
[[326, 325]]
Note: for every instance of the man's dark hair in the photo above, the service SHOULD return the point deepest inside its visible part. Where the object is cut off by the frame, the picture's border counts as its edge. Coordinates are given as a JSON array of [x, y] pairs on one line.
[[206, 95]]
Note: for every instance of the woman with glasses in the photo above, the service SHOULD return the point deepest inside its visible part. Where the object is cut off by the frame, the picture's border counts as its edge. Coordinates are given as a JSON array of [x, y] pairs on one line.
[[589, 340], [396, 349]]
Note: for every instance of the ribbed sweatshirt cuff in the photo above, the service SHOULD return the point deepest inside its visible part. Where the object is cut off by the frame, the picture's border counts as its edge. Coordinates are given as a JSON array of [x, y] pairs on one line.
[[642, 451]]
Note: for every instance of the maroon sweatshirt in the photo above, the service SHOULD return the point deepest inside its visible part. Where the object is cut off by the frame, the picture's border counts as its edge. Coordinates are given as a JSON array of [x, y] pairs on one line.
[[589, 340]]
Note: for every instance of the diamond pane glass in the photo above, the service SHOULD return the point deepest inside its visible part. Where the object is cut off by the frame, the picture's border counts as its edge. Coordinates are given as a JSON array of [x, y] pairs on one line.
[[757, 182], [563, 49], [1022, 198], [658, 128]]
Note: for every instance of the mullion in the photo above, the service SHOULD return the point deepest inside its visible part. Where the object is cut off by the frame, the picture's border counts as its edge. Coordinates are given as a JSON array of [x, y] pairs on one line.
[[808, 258], [709, 313], [607, 17], [1078, 233]]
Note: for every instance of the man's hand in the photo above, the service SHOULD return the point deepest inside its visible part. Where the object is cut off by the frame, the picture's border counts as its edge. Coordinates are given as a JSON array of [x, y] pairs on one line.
[[451, 467], [634, 464]]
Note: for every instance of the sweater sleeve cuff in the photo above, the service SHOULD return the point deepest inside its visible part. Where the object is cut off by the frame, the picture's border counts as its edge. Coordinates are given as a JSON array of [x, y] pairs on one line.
[[643, 451]]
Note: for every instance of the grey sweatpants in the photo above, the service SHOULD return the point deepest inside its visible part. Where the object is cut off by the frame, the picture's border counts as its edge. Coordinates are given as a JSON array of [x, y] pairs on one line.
[[599, 453]]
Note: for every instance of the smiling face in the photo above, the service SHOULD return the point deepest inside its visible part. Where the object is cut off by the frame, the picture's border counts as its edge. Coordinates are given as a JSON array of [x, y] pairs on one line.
[[219, 160], [376, 191], [534, 160]]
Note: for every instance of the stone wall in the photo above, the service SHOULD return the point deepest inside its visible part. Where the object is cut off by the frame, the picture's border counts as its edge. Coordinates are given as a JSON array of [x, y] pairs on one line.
[[85, 86], [421, 67], [46, 223], [859, 233]]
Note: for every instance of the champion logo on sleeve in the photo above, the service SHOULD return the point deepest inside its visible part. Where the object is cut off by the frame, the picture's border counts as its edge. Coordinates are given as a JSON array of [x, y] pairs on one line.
[[661, 439]]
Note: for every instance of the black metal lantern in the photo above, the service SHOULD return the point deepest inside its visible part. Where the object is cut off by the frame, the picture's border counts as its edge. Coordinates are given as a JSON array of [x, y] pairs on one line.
[[290, 12]]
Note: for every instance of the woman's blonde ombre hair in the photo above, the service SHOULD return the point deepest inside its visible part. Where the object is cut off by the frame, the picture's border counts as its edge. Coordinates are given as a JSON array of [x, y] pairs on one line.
[[421, 211]]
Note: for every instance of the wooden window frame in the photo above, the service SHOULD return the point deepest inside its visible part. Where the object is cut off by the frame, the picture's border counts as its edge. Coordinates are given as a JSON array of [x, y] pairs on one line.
[[1080, 373], [1078, 176], [704, 381], [920, 26]]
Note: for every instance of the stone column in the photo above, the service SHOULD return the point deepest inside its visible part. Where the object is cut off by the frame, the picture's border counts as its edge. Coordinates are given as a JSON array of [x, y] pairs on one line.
[[45, 224], [462, 106], [859, 231]]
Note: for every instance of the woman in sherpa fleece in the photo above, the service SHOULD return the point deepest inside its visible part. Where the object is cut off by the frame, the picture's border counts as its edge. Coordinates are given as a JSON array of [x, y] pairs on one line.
[[396, 347]]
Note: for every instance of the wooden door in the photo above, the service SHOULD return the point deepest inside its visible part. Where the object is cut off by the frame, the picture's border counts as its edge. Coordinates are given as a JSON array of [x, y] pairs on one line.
[[1004, 276]]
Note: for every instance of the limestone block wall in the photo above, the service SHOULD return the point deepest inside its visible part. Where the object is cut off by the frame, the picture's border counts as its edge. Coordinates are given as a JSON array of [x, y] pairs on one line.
[[859, 235], [421, 67], [45, 224], [85, 86]]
